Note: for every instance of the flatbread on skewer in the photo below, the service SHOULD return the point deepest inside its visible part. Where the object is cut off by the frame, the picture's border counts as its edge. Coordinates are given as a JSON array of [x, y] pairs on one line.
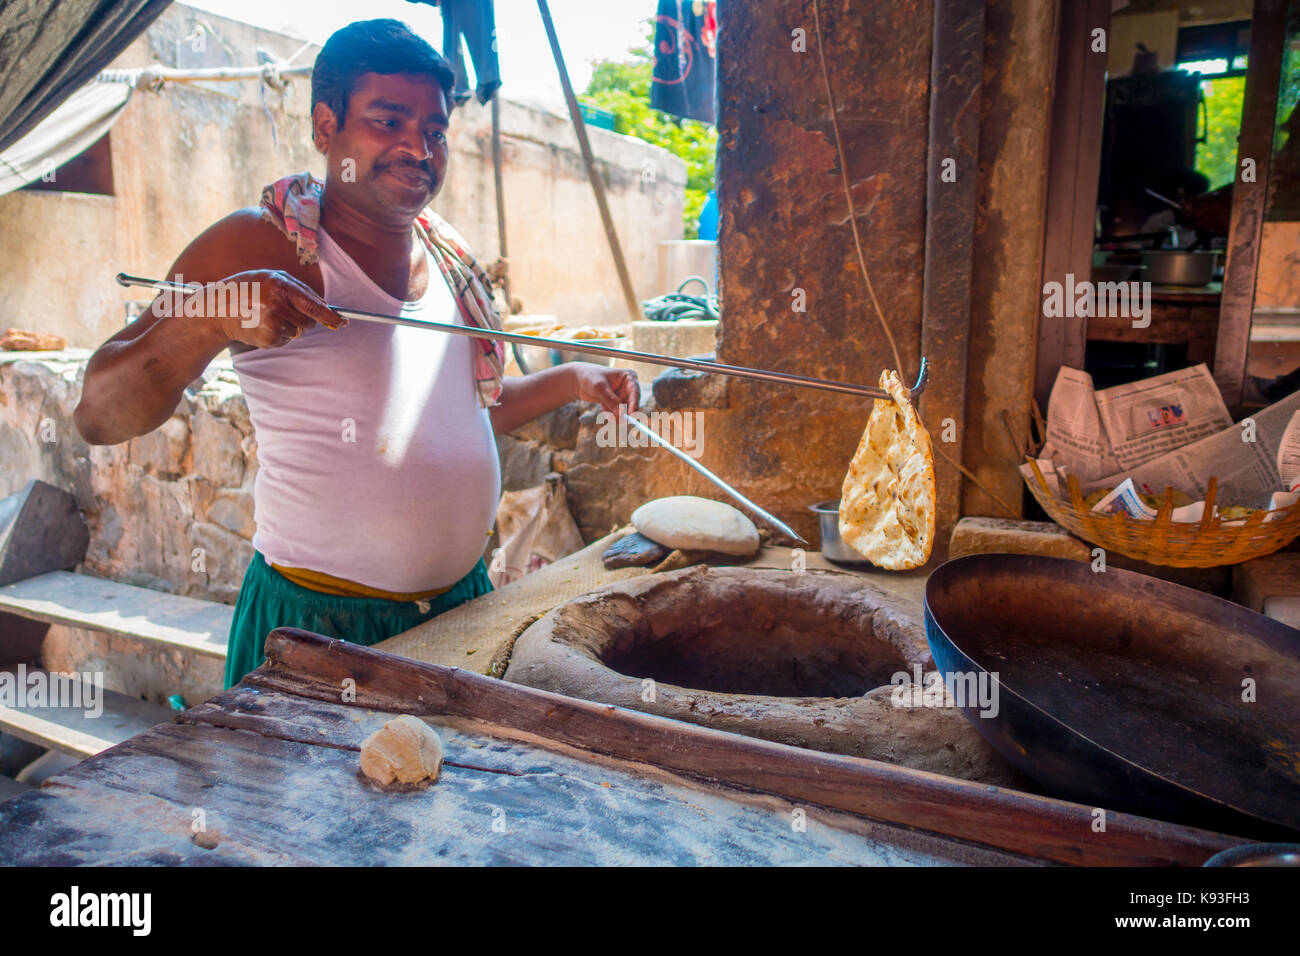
[[888, 501]]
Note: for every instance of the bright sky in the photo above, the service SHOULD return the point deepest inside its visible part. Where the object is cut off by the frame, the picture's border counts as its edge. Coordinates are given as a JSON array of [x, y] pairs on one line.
[[588, 30]]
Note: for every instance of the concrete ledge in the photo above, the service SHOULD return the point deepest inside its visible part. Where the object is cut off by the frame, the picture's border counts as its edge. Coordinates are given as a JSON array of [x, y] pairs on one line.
[[72, 730]]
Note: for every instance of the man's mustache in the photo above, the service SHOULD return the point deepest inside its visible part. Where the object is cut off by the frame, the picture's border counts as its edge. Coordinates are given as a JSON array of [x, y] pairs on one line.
[[408, 167]]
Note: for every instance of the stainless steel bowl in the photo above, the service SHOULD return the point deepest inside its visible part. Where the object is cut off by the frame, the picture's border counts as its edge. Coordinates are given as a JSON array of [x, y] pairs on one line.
[[828, 523], [1176, 267]]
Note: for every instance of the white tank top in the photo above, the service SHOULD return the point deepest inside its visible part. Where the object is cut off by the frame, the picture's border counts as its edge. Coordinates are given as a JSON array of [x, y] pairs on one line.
[[376, 462]]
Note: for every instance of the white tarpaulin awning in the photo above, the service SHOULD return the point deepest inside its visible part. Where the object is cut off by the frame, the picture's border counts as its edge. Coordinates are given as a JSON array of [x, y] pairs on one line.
[[75, 126]]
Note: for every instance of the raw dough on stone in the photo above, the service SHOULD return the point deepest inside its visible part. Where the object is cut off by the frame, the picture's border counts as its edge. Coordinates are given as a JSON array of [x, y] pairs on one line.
[[692, 523], [405, 750]]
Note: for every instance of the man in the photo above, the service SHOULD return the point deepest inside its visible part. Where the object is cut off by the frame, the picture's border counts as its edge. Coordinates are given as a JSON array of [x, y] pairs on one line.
[[379, 478]]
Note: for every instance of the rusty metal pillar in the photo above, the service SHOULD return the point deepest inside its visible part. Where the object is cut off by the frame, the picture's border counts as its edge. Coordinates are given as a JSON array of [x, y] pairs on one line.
[[956, 68]]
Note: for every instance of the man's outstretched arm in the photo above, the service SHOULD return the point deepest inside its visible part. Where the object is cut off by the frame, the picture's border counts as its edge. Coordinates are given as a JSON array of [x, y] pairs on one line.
[[134, 381], [530, 396]]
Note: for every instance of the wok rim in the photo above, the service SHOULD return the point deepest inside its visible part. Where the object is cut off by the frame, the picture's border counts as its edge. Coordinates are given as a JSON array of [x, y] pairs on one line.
[[1031, 568]]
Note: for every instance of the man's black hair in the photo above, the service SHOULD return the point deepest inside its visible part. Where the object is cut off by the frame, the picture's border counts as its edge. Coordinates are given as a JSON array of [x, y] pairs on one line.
[[373, 46]]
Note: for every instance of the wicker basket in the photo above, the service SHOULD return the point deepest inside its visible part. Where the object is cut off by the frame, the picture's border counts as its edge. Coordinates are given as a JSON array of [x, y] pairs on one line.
[[1207, 543]]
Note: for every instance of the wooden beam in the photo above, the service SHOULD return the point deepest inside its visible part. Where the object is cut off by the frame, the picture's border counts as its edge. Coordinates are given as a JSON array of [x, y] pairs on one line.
[[1249, 198], [956, 72], [1078, 103]]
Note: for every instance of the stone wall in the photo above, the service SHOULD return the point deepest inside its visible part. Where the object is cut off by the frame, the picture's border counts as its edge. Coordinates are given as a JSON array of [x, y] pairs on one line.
[[173, 509], [185, 157]]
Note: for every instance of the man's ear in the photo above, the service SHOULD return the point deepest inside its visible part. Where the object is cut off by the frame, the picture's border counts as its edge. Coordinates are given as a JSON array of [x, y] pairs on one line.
[[324, 125]]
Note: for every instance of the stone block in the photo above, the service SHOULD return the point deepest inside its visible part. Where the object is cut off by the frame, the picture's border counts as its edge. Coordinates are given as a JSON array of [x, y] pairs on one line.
[[233, 510], [40, 530], [524, 464], [1007, 536], [684, 338], [162, 452], [222, 397], [1046, 538], [680, 388], [557, 428], [225, 554], [1273, 575], [1284, 608], [137, 668], [218, 453]]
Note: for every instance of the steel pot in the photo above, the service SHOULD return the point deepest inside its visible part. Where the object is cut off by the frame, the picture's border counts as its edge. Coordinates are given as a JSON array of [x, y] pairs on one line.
[[1178, 267], [828, 524]]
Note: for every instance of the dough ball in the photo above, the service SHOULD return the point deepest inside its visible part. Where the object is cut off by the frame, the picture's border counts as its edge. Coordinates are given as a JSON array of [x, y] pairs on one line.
[[697, 524], [405, 750]]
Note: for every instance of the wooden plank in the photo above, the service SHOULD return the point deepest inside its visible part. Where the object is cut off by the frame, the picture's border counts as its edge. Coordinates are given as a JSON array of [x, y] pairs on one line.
[[955, 83], [97, 604], [270, 799], [1078, 103], [317, 667], [1249, 199], [71, 730]]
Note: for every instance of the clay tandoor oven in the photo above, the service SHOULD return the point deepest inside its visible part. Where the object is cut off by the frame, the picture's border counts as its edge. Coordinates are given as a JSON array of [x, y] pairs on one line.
[[803, 658]]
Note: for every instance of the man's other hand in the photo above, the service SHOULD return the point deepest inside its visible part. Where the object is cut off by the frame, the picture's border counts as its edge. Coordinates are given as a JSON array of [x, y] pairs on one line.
[[607, 387]]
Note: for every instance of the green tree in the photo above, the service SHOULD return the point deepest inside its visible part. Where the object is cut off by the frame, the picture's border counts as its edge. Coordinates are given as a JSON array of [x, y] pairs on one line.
[[1217, 156], [623, 88]]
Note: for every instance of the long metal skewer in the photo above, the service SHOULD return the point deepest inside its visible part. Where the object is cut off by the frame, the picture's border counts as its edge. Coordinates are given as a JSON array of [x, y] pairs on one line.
[[765, 515], [578, 345]]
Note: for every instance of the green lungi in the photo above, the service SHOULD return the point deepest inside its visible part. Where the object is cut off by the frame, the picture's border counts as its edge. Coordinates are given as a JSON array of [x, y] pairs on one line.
[[267, 600]]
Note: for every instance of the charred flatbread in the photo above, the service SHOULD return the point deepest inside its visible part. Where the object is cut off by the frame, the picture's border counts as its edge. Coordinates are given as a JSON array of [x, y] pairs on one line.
[[887, 504]]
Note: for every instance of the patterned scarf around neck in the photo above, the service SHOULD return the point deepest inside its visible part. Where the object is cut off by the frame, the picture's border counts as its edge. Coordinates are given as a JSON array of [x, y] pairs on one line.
[[293, 204]]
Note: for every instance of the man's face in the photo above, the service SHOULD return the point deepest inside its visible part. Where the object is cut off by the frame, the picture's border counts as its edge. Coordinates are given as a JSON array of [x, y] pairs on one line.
[[390, 157]]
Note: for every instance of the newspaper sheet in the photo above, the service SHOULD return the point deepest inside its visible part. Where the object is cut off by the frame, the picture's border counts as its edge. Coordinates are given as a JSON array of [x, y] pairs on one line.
[[1127, 499], [1246, 469], [1074, 429], [1144, 420], [1288, 455]]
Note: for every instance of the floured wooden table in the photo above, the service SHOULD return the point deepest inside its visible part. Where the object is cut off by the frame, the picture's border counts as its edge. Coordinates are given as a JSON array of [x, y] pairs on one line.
[[267, 773]]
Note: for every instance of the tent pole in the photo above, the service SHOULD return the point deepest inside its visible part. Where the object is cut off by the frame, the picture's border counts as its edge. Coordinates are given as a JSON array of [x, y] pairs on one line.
[[597, 184], [501, 198]]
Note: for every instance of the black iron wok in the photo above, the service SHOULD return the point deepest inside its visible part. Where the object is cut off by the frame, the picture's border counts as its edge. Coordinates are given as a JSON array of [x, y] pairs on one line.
[[1123, 691]]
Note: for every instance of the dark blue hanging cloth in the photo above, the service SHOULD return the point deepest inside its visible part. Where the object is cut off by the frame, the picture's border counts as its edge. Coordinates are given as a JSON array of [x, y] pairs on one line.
[[686, 59], [475, 22]]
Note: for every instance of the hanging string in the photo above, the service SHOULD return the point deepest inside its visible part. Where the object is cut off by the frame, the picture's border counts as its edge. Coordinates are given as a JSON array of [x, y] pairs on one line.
[[848, 192]]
